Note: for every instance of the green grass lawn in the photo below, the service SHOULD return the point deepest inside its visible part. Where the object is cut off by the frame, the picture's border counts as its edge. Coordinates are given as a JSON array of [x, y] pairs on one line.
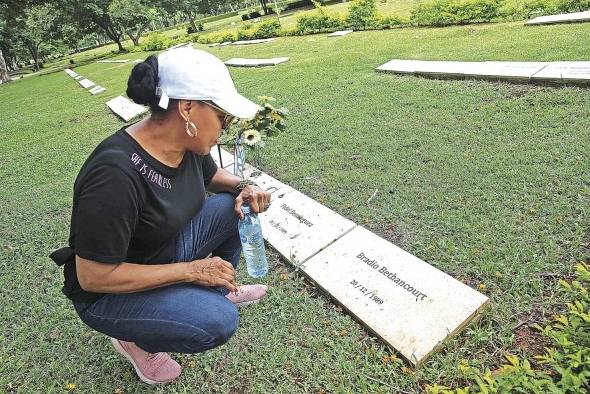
[[486, 181]]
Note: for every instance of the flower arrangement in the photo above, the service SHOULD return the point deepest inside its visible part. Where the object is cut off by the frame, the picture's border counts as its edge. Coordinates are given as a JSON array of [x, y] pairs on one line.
[[252, 134]]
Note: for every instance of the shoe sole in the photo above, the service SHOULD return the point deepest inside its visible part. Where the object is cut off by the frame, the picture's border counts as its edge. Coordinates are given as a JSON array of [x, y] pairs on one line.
[[242, 304], [124, 353]]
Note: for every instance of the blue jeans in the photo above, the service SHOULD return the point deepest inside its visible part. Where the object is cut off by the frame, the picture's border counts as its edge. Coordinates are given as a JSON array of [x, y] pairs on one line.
[[183, 318]]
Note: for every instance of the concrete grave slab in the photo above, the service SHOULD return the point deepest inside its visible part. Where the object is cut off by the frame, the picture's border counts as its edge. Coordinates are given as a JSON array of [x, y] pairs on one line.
[[565, 72], [137, 61], [215, 44], [408, 303], [241, 62], [77, 78], [340, 33], [226, 157], [125, 108], [297, 226], [225, 43], [96, 90], [71, 73], [574, 17], [267, 182], [249, 42], [486, 70], [114, 61], [86, 83]]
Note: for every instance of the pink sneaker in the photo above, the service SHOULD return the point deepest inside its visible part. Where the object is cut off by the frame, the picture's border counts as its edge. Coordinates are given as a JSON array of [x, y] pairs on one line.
[[247, 294], [152, 368]]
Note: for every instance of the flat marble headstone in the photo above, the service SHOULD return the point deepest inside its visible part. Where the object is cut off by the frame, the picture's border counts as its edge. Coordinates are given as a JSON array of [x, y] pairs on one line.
[[574, 17], [225, 43], [490, 70], [137, 61], [96, 90], [71, 73], [576, 72], [86, 83], [78, 77], [125, 108], [227, 158], [408, 303], [241, 62], [297, 226], [215, 44], [114, 61], [340, 33], [258, 41]]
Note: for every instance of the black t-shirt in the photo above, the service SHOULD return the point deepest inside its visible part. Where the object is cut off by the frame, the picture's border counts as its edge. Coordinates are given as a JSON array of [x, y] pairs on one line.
[[129, 207]]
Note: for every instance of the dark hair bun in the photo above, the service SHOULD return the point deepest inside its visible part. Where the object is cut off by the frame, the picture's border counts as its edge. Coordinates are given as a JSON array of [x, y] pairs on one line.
[[141, 86]]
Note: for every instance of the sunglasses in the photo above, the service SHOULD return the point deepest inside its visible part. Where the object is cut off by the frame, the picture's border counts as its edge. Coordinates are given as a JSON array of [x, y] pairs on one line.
[[227, 119]]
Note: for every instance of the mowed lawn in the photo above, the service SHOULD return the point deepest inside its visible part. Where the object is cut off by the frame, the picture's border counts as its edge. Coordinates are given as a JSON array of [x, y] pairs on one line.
[[486, 181]]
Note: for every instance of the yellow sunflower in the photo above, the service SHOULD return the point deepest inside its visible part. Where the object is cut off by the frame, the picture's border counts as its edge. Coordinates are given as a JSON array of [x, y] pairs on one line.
[[252, 137]]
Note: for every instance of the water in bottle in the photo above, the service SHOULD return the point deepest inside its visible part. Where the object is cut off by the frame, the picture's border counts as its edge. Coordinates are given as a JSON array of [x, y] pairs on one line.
[[252, 243]]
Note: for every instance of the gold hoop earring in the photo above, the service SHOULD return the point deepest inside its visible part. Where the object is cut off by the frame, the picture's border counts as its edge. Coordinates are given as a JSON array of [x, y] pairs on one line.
[[190, 128]]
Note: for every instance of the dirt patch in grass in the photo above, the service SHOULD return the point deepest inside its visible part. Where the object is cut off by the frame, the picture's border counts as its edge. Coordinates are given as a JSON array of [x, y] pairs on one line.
[[530, 340]]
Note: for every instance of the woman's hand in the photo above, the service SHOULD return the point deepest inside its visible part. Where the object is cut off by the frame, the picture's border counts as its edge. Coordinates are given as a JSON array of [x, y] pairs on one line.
[[213, 271], [258, 199]]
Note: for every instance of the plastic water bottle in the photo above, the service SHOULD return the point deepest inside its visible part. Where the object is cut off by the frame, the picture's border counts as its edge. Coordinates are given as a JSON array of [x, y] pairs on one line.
[[252, 243]]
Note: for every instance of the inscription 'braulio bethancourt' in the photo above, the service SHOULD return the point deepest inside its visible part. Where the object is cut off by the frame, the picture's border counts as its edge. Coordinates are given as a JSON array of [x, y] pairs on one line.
[[392, 276]]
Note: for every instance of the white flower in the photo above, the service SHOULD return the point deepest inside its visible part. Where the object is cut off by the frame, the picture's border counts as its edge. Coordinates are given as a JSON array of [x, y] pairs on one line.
[[252, 137]]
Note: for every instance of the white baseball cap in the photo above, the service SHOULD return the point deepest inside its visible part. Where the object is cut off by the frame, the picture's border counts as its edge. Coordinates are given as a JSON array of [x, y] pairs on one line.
[[187, 73]]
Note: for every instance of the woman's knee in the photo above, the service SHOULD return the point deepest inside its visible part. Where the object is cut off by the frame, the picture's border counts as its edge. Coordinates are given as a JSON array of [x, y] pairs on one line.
[[218, 328]]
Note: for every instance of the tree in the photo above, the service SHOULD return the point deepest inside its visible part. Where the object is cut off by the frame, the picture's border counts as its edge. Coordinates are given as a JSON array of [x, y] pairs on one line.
[[37, 28], [264, 5], [134, 17], [3, 69], [92, 16], [190, 8]]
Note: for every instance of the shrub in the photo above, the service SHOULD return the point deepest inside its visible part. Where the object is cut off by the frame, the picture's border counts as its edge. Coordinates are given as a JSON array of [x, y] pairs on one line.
[[572, 5], [455, 12], [319, 21], [391, 21], [266, 29], [156, 42], [362, 15], [219, 36], [190, 30], [567, 362]]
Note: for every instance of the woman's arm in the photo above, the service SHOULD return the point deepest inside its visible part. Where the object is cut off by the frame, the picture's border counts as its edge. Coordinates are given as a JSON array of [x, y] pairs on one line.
[[129, 278], [224, 181]]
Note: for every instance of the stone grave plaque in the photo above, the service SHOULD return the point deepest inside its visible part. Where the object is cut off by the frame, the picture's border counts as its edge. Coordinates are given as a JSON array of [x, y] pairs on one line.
[[215, 44], [86, 83], [96, 90], [267, 182], [576, 72], [486, 70], [258, 41], [79, 77], [71, 73], [241, 62], [125, 108], [114, 61], [408, 303], [297, 226], [340, 33], [226, 157], [574, 17]]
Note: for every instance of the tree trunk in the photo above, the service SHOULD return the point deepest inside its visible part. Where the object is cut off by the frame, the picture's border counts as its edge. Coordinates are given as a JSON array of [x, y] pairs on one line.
[[3, 70], [264, 6]]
